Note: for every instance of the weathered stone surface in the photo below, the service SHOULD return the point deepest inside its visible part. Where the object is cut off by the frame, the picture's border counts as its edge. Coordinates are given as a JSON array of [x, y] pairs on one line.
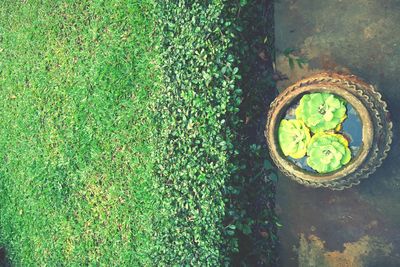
[[361, 37]]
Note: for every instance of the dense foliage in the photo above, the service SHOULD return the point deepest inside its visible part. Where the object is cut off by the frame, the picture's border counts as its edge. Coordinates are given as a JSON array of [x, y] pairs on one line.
[[197, 108], [77, 83], [250, 210], [121, 138]]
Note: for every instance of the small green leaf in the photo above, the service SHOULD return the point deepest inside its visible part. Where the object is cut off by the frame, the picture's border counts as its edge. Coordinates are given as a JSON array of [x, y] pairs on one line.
[[273, 177], [232, 226], [299, 63], [243, 3], [267, 164], [291, 63], [246, 229], [288, 51]]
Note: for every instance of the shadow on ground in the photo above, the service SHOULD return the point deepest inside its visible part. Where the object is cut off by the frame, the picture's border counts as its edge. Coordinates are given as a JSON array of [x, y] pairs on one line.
[[256, 219], [3, 259]]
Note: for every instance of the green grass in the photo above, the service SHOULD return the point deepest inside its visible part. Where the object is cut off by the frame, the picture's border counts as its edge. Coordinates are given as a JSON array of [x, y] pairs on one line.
[[77, 85]]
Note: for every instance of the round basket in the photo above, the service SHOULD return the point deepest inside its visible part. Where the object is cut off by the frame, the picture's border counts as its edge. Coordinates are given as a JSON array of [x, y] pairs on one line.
[[376, 129]]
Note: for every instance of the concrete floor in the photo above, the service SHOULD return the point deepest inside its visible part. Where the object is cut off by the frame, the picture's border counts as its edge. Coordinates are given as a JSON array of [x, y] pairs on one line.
[[358, 226]]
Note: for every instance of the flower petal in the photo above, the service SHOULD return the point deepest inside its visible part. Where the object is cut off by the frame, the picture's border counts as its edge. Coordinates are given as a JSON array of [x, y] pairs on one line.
[[328, 116], [316, 99], [346, 157], [333, 102]]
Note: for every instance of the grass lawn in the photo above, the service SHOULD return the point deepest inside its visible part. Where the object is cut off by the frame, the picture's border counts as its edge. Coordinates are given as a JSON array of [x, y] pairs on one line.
[[77, 87]]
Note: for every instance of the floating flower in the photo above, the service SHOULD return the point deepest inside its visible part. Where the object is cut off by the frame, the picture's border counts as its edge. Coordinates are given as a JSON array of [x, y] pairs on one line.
[[293, 138], [321, 111], [328, 152]]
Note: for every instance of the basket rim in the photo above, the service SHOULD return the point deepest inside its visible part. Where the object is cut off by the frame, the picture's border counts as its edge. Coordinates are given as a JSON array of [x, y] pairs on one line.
[[286, 98]]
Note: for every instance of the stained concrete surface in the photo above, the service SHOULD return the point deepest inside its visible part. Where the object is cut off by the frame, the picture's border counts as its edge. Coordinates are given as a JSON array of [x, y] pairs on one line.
[[358, 226]]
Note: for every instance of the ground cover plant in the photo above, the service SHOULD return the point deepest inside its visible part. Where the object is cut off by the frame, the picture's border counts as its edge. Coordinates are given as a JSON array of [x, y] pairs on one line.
[[77, 85], [251, 190], [197, 113], [218, 184], [131, 133]]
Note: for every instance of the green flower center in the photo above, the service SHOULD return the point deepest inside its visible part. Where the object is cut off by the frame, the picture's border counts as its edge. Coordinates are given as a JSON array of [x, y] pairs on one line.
[[297, 138], [327, 152], [322, 109]]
